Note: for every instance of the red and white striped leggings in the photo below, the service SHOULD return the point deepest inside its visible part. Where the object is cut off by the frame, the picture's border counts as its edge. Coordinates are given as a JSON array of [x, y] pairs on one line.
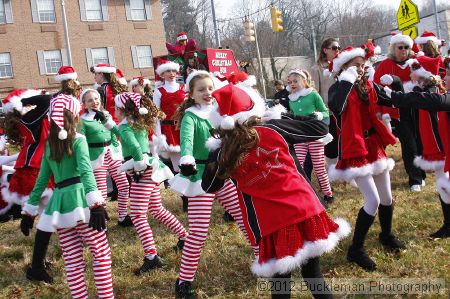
[[316, 150], [145, 196], [71, 242], [199, 215], [120, 179]]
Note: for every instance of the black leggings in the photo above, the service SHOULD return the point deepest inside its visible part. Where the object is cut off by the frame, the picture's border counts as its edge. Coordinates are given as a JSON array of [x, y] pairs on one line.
[[312, 275]]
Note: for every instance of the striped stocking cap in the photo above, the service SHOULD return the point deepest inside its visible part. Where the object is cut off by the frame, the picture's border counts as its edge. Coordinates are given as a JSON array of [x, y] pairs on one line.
[[57, 106], [123, 98]]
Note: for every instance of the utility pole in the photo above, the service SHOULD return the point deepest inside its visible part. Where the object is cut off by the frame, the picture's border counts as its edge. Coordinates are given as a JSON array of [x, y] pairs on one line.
[[66, 33], [313, 32], [216, 29], [258, 54], [436, 17]]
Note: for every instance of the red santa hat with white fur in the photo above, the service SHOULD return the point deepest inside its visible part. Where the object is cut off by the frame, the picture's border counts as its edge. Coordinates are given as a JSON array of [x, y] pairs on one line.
[[335, 66], [427, 36], [66, 73], [13, 101]]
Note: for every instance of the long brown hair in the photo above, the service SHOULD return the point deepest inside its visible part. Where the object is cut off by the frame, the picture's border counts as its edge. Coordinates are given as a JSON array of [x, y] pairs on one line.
[[325, 44], [10, 125], [189, 102], [235, 144], [142, 121], [430, 49], [70, 87], [60, 147], [116, 87]]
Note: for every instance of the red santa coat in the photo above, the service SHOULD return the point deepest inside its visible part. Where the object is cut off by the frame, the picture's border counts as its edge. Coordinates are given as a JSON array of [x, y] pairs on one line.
[[107, 98], [362, 136], [170, 101], [389, 67], [285, 217]]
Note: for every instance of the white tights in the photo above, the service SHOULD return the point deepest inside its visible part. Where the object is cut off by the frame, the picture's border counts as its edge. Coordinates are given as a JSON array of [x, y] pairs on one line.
[[375, 189]]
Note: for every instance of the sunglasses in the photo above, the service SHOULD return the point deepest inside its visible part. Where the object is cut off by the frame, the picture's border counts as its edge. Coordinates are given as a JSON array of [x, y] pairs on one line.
[[335, 48], [403, 47]]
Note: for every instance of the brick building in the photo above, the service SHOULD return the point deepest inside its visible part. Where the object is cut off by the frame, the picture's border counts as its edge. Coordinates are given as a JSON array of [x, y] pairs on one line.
[[124, 33]]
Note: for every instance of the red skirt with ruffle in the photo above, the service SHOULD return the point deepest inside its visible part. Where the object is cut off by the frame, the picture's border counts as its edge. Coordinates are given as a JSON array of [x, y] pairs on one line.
[[172, 134], [24, 179], [375, 150], [287, 241]]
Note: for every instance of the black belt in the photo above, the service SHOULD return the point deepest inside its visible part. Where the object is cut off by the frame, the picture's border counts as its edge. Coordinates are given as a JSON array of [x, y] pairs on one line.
[[198, 161], [71, 181], [369, 132], [168, 122], [100, 144]]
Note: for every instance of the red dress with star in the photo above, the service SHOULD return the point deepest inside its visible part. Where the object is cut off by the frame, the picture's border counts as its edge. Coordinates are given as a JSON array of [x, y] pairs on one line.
[[281, 211], [170, 101], [362, 137]]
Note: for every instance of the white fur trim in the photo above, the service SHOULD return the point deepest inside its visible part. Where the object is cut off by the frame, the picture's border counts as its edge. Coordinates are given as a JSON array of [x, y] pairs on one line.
[[168, 66], [100, 161], [21, 200], [110, 124], [195, 74], [135, 82], [187, 160], [161, 174], [386, 79], [443, 187], [105, 69], [327, 73], [423, 40], [5, 209], [345, 57], [184, 186], [202, 111], [250, 82], [123, 81], [49, 223], [386, 117], [182, 37], [319, 115], [4, 160], [29, 209], [127, 165], [420, 53], [408, 86], [16, 103], [401, 38], [327, 139], [349, 75], [140, 165], [259, 105], [162, 146], [227, 123], [64, 77], [388, 91], [350, 174], [301, 93], [428, 165], [143, 111], [62, 135], [94, 197], [309, 250], [116, 152], [213, 143]]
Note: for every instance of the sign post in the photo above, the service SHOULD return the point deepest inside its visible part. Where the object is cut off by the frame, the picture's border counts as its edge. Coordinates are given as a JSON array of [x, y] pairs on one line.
[[407, 15]]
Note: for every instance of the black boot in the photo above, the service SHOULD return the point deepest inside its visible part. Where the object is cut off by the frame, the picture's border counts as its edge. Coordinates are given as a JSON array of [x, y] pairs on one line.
[[328, 199], [15, 211], [5, 218], [148, 265], [37, 271], [281, 286], [126, 222], [444, 231], [179, 246], [313, 277], [185, 203], [356, 252], [114, 192], [184, 290], [387, 239], [227, 217]]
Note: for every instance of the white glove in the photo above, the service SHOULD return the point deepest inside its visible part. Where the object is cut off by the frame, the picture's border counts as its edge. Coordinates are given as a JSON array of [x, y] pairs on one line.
[[271, 114], [388, 91], [349, 75], [370, 73], [319, 115], [4, 160], [386, 79]]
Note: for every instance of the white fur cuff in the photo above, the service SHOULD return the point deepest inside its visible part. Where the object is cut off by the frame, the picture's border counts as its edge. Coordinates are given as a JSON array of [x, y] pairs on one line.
[[386, 79], [347, 76], [213, 143], [443, 187], [187, 160], [94, 197], [140, 165], [28, 209], [109, 124], [319, 115]]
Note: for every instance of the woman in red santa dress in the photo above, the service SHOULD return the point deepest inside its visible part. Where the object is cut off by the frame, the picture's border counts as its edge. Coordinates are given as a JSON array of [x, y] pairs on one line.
[[362, 157], [432, 101], [290, 225], [27, 125], [403, 121]]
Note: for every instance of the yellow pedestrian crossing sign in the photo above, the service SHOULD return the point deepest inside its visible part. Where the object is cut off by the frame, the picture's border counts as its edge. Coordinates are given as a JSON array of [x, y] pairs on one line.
[[407, 14], [411, 32]]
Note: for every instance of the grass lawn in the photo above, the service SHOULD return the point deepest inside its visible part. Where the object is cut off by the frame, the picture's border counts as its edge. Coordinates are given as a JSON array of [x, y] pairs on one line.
[[224, 266]]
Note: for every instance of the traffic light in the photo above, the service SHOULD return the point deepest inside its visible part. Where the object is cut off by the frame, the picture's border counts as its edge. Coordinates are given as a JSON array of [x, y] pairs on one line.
[[249, 31], [276, 19]]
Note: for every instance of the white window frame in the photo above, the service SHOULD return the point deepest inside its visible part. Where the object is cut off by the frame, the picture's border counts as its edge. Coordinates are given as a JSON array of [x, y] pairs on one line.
[[41, 55], [10, 66], [84, 15], [91, 60], [7, 11], [137, 63], [39, 13], [147, 10], [50, 60]]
